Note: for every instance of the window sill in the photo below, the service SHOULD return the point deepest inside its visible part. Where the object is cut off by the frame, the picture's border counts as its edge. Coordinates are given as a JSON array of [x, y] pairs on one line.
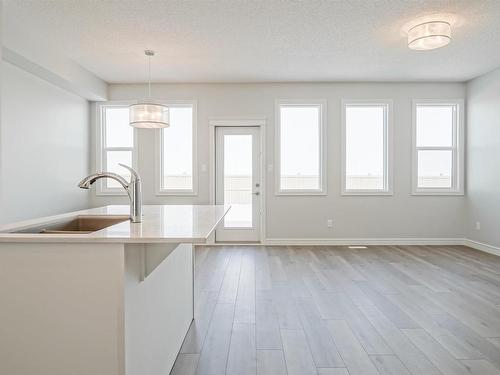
[[174, 193], [366, 193], [438, 193], [300, 193]]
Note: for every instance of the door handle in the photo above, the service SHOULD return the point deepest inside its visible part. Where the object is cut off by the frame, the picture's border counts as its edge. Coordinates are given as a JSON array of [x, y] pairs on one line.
[[256, 193]]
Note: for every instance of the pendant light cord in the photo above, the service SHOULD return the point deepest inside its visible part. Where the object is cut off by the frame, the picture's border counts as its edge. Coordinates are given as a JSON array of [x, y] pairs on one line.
[[149, 76], [149, 53]]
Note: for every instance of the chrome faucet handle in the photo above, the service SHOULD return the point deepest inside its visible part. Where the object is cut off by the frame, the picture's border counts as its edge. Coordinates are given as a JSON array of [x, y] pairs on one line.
[[133, 189], [134, 175]]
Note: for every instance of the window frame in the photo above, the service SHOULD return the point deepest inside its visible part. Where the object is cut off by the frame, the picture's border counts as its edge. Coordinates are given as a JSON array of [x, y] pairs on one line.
[[388, 146], [457, 148], [101, 150], [321, 104], [160, 190]]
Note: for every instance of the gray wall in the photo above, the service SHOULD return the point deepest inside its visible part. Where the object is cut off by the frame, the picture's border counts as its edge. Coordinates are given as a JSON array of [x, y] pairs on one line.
[[44, 147], [401, 215], [483, 159]]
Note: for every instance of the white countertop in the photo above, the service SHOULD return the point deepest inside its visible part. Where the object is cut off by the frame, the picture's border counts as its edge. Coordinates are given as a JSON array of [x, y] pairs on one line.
[[161, 223]]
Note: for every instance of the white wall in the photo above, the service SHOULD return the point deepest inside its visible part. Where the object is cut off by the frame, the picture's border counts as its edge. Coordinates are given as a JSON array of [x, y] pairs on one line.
[[483, 158], [44, 147], [1, 159], [401, 215]]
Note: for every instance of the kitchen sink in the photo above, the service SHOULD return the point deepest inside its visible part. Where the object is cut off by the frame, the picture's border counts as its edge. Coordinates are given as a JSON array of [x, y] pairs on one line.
[[77, 225]]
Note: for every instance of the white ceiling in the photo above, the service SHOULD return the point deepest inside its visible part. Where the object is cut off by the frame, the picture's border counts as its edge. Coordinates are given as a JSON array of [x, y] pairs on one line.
[[258, 41]]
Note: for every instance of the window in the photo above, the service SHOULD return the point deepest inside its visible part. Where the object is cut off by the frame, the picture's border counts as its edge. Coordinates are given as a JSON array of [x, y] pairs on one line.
[[238, 179], [366, 145], [177, 152], [300, 148], [115, 139], [438, 147]]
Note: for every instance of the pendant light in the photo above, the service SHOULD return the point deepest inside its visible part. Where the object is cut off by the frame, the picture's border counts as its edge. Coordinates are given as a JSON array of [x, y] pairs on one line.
[[147, 114]]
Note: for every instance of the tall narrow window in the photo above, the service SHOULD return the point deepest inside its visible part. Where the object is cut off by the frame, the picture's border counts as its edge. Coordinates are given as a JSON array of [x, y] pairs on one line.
[[367, 166], [438, 147], [300, 156], [177, 167], [116, 145]]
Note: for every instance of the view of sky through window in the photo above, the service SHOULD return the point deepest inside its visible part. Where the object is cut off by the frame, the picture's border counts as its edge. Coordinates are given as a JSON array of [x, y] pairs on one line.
[[364, 147], [300, 147]]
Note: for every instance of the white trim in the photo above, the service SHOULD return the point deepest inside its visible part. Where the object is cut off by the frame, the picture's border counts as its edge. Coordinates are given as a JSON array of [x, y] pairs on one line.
[[158, 165], [457, 148], [362, 241], [482, 246], [237, 122], [388, 147], [99, 147], [244, 122], [389, 241], [366, 192], [322, 104]]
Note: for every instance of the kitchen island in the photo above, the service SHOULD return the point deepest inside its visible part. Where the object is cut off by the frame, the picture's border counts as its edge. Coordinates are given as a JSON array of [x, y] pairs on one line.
[[80, 299]]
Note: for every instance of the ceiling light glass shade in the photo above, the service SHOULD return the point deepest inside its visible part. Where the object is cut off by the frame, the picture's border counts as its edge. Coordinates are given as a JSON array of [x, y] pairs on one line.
[[429, 35], [149, 116]]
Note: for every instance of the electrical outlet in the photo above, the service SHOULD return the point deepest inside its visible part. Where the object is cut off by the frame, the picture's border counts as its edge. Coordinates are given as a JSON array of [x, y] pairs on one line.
[[478, 225], [203, 167], [329, 223]]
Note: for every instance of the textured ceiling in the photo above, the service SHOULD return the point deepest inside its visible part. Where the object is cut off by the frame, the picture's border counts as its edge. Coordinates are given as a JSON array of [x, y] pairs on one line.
[[258, 41]]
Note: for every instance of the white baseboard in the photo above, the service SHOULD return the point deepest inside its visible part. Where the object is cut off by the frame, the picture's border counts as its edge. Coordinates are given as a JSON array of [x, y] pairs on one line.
[[482, 246], [374, 242], [362, 241], [383, 241]]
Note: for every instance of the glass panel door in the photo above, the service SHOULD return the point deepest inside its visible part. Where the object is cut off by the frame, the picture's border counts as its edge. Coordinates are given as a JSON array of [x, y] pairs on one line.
[[238, 182]]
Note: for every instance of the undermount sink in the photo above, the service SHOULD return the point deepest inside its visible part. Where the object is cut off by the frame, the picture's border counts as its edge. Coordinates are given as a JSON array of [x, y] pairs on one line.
[[77, 225]]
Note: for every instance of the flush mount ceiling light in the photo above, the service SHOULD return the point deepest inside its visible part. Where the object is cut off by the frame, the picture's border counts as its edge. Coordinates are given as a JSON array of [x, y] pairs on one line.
[[147, 114], [429, 35]]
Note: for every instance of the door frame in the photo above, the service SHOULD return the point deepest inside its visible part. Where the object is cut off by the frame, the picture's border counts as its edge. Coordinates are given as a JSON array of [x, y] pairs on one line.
[[243, 122]]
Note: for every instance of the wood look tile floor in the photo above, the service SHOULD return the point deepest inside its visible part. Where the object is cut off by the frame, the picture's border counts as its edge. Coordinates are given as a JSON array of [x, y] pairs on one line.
[[395, 310]]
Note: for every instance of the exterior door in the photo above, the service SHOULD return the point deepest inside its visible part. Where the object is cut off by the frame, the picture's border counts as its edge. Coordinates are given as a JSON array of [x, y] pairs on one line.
[[238, 182]]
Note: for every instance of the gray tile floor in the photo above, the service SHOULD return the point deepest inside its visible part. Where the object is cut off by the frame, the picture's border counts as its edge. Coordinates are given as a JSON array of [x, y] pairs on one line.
[[336, 311]]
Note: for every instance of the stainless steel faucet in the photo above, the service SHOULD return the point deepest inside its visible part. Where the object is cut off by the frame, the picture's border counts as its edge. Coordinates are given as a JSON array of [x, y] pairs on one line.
[[133, 189]]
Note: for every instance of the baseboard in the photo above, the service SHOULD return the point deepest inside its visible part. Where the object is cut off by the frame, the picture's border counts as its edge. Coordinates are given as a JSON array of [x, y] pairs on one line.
[[374, 242], [482, 246], [362, 241]]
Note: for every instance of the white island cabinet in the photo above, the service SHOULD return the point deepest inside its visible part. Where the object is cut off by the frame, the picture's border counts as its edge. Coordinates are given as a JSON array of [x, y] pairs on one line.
[[117, 300]]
